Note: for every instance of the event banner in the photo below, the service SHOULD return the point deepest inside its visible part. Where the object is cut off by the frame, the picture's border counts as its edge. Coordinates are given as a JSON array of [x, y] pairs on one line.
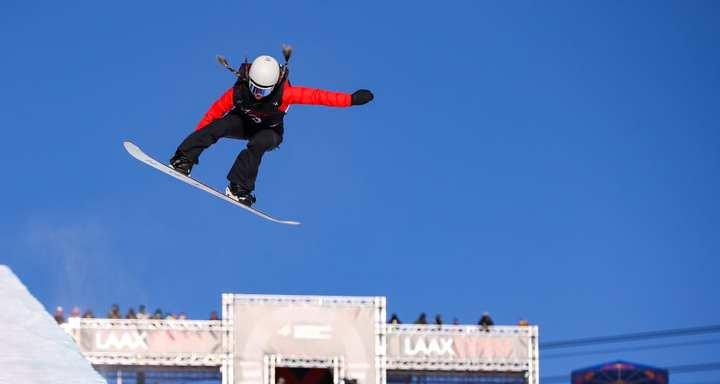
[[304, 327], [147, 337], [505, 346]]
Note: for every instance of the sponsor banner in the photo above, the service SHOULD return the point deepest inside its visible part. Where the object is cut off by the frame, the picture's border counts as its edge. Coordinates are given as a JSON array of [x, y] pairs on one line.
[[311, 329], [142, 337], [453, 344]]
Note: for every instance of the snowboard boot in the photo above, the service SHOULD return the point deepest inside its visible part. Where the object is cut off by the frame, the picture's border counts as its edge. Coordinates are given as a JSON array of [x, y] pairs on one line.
[[242, 196], [181, 164]]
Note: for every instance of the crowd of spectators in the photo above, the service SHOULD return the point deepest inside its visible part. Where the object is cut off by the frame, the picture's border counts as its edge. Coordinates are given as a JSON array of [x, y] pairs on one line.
[[115, 313], [485, 320]]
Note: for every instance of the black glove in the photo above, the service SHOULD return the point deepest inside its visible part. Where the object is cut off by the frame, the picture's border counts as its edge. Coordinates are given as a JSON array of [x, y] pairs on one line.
[[361, 96]]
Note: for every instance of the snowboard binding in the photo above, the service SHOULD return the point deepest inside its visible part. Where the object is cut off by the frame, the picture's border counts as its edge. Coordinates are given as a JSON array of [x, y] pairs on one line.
[[181, 164], [242, 196]]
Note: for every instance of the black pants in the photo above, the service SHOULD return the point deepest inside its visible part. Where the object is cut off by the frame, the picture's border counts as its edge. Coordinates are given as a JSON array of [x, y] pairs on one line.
[[245, 169]]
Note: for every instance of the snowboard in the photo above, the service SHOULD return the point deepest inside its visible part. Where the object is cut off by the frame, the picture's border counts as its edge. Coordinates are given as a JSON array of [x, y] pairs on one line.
[[138, 153]]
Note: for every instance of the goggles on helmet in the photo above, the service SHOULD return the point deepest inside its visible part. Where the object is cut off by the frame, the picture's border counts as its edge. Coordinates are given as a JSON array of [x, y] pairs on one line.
[[260, 91]]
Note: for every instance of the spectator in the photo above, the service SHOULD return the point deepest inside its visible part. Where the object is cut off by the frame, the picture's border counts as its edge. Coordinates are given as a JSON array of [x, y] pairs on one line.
[[523, 323], [114, 312], [394, 319], [131, 314], [88, 315], [438, 319], [142, 314], [75, 312], [158, 314], [59, 315], [182, 316], [456, 321], [485, 321], [214, 315], [422, 319], [170, 316]]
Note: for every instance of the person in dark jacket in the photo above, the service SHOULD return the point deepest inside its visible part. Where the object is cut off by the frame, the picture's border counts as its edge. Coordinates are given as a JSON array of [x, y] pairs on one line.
[[422, 319], [59, 315], [114, 312], [394, 319], [486, 321]]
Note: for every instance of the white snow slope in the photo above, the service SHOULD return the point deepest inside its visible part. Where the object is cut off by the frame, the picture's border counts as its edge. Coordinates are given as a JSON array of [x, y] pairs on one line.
[[33, 348]]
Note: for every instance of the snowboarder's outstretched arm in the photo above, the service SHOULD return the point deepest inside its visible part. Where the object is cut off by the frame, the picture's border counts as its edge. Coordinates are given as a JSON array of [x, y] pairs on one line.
[[314, 96]]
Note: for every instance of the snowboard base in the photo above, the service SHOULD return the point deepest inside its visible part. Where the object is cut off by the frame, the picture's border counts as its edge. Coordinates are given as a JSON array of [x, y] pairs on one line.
[[137, 153]]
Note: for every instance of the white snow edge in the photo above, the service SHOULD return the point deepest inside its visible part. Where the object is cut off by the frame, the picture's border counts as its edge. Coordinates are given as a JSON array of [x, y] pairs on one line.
[[33, 348]]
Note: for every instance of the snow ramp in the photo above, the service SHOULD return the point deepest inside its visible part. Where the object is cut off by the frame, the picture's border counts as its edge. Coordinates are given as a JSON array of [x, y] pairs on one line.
[[33, 348]]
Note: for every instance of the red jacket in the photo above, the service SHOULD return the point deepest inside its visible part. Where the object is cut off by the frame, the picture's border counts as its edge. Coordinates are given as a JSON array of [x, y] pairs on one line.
[[291, 95]]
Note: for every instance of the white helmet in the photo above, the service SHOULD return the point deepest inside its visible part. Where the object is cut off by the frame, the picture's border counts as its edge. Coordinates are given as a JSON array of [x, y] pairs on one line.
[[264, 75]]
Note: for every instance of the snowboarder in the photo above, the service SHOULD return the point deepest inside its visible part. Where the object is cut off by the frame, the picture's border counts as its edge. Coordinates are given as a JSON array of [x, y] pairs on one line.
[[253, 109]]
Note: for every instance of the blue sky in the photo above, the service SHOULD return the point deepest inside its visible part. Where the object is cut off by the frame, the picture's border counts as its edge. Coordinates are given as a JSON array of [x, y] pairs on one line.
[[556, 161]]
